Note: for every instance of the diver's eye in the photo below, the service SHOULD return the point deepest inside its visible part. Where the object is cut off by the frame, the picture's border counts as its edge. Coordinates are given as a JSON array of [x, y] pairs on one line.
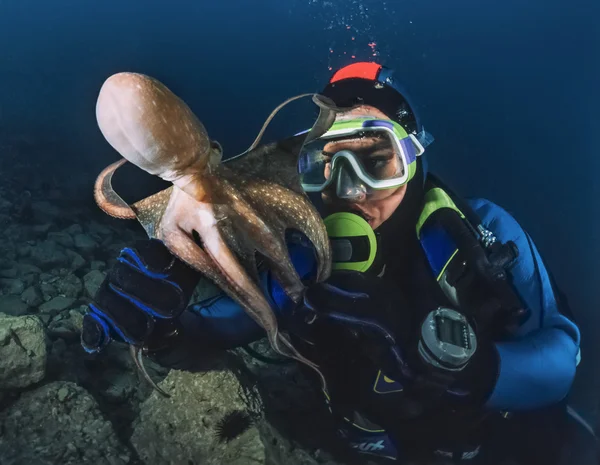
[[381, 166], [377, 162]]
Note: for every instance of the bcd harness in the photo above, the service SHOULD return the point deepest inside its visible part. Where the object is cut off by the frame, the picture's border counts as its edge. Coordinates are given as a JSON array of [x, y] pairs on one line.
[[471, 268]]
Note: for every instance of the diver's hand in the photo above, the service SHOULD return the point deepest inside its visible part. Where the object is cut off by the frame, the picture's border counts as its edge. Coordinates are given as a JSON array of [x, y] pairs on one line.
[[363, 306], [355, 294], [141, 296], [375, 320]]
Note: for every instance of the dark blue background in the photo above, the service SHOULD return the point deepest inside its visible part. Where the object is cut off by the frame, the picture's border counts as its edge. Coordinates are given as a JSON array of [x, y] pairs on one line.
[[508, 88]]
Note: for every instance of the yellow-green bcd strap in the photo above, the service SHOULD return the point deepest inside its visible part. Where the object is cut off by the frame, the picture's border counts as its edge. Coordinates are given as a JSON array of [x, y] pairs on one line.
[[435, 199]]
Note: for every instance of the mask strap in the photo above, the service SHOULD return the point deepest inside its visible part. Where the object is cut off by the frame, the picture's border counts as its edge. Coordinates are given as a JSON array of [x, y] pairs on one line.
[[425, 138]]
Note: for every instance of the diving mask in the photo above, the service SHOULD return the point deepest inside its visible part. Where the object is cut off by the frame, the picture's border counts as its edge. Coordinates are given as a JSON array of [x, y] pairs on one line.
[[360, 156]]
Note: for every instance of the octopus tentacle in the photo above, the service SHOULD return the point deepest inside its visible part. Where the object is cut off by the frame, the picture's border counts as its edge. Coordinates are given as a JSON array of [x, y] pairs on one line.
[[269, 119], [136, 355], [215, 258], [266, 239], [285, 274], [326, 118], [107, 199], [176, 229], [296, 212], [327, 113]]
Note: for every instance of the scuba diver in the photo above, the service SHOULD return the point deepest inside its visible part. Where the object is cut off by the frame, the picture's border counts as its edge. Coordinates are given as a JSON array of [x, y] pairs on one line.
[[441, 333]]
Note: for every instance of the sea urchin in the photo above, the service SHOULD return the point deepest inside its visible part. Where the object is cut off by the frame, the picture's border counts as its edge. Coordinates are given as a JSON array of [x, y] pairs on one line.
[[232, 425]]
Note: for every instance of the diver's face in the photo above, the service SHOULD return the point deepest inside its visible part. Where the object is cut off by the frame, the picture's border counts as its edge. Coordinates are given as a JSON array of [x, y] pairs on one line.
[[379, 205]]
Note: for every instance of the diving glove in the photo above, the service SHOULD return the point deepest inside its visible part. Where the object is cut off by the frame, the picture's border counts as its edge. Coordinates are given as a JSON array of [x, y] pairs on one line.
[[377, 321], [361, 305], [140, 299]]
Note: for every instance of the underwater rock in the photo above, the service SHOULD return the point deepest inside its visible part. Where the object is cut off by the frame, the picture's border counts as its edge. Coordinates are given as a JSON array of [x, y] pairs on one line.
[[119, 386], [74, 229], [97, 265], [58, 349], [69, 286], [59, 423], [22, 352], [5, 205], [196, 425], [47, 254], [13, 305], [92, 282], [4, 218], [76, 317], [26, 269], [12, 286], [85, 244], [45, 212], [62, 238], [99, 230], [41, 230], [58, 304], [49, 292], [9, 273], [77, 261], [283, 451], [29, 280], [62, 394], [23, 250], [299, 421], [68, 328], [32, 296], [49, 277]]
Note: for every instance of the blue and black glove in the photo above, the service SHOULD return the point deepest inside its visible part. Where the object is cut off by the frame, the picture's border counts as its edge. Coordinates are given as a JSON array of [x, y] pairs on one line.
[[140, 299], [364, 314], [361, 310]]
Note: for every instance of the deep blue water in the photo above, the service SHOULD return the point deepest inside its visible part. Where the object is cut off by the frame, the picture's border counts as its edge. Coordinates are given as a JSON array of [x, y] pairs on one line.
[[508, 88]]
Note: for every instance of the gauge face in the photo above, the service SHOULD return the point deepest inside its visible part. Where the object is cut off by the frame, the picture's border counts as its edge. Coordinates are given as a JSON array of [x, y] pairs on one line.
[[447, 339], [452, 331]]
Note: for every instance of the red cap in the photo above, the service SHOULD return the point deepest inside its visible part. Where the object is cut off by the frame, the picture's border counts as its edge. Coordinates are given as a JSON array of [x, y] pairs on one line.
[[360, 70]]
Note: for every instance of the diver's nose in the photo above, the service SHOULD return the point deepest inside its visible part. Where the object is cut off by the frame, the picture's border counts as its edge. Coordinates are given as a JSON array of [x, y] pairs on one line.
[[349, 187]]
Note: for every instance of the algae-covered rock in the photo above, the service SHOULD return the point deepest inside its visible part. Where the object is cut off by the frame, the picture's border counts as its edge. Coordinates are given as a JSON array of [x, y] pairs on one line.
[[184, 429], [59, 423], [22, 352]]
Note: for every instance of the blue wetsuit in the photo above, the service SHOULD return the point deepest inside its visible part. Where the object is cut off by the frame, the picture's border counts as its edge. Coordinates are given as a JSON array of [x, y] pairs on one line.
[[536, 365]]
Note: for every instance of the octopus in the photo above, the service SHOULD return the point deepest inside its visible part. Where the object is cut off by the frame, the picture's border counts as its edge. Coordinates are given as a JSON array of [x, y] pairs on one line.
[[217, 216]]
